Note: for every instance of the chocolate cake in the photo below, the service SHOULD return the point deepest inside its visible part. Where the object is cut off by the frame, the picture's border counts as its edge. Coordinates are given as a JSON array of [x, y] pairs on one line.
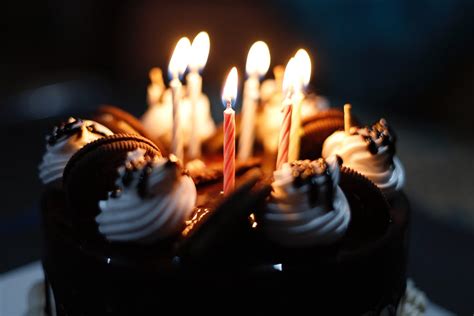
[[128, 230]]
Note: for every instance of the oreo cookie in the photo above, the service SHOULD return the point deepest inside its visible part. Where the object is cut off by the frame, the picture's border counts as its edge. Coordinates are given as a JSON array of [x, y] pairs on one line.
[[316, 129], [92, 172], [121, 122], [370, 211]]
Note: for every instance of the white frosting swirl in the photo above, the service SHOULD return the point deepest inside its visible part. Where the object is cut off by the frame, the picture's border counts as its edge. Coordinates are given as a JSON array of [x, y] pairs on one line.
[[58, 154], [355, 154], [292, 220], [168, 202]]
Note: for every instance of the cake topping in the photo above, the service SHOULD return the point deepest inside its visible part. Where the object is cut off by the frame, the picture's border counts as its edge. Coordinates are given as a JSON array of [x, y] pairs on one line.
[[370, 151], [153, 199], [378, 136], [307, 207], [316, 175], [71, 127], [63, 142]]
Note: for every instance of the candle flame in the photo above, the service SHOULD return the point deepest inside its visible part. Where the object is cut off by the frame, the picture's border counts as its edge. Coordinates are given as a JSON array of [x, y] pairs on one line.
[[289, 78], [304, 66], [199, 51], [229, 93], [258, 59], [179, 59]]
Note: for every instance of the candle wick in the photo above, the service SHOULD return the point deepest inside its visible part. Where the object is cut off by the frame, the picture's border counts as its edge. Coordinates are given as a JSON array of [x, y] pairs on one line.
[[228, 104]]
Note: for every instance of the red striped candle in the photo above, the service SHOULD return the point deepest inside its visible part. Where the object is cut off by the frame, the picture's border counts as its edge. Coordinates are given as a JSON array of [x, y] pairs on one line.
[[229, 94], [229, 149], [284, 140]]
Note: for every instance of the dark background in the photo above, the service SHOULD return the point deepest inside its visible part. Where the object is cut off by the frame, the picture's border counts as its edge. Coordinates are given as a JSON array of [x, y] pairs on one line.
[[409, 61]]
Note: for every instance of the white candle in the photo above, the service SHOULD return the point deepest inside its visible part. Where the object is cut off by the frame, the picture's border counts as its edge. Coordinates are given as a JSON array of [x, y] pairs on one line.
[[229, 94], [258, 62], [177, 67], [303, 75], [194, 81], [198, 58]]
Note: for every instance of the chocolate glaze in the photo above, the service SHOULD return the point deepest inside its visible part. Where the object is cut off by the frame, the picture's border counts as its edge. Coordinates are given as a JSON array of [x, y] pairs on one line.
[[317, 175], [378, 135]]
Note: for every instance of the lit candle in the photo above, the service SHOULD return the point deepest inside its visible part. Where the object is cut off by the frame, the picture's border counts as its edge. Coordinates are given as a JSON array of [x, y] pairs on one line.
[[177, 67], [258, 62], [287, 109], [229, 94], [303, 73], [198, 58]]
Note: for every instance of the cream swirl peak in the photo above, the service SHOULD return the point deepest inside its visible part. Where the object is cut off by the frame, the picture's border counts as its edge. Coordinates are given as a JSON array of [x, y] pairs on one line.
[[152, 201], [64, 141], [370, 151], [307, 207]]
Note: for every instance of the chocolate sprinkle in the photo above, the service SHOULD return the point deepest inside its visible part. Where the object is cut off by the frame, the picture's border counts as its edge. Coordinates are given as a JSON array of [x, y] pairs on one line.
[[64, 130], [315, 174], [69, 128], [143, 181], [143, 170], [378, 135]]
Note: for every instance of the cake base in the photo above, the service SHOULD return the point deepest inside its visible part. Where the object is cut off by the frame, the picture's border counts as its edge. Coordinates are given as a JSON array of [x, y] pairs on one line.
[[346, 278]]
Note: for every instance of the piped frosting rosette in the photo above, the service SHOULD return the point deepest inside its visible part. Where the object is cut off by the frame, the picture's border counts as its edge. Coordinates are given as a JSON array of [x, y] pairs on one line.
[[64, 141], [153, 200], [370, 151], [307, 207]]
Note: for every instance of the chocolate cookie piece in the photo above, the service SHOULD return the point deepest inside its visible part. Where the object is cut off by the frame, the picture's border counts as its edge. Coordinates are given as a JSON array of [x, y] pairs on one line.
[[370, 211], [316, 129], [91, 174], [121, 122]]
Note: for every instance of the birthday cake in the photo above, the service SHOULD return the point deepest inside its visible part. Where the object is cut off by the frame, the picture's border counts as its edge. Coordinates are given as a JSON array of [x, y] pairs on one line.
[[132, 228]]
